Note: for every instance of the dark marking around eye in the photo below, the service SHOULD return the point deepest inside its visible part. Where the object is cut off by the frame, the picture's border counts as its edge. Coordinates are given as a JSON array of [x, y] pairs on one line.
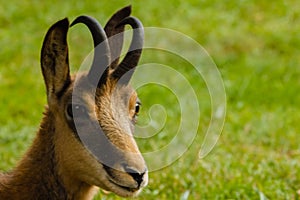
[[70, 111], [78, 111]]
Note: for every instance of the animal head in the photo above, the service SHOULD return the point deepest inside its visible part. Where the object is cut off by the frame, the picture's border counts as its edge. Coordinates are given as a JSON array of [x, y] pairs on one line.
[[94, 112]]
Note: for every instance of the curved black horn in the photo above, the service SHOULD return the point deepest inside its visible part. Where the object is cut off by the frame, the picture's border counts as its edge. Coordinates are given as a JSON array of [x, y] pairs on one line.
[[111, 28], [115, 20], [101, 52], [132, 57]]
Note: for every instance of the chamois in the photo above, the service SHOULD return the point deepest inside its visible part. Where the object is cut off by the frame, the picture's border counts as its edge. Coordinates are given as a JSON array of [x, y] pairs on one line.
[[58, 165]]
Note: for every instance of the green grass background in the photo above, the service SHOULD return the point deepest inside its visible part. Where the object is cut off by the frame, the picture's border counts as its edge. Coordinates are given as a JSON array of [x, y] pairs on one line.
[[256, 46]]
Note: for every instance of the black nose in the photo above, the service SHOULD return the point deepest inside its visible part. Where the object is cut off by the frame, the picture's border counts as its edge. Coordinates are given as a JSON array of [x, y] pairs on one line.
[[136, 175]]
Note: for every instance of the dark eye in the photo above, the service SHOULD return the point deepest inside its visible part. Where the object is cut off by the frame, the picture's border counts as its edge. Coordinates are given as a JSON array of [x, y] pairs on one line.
[[76, 110], [137, 108], [69, 111]]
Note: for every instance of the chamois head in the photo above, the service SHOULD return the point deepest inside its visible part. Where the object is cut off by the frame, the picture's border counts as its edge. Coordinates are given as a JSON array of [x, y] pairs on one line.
[[94, 112]]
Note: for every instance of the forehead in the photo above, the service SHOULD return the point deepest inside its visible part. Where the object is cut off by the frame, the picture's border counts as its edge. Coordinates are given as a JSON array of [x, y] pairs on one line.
[[81, 90], [123, 94]]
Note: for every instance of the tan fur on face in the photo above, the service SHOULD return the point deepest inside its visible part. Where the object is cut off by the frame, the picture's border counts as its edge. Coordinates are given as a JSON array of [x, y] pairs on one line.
[[58, 165], [107, 111], [132, 105]]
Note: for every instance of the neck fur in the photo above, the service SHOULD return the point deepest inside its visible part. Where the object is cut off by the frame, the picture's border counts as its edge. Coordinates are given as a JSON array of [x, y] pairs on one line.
[[38, 176]]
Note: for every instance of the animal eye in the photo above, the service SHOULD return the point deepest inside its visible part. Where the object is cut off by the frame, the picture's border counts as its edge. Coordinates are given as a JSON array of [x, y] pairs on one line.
[[137, 108], [77, 110], [69, 111]]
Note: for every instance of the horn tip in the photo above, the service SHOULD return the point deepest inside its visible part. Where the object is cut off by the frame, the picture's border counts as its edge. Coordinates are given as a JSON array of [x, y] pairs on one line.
[[81, 19]]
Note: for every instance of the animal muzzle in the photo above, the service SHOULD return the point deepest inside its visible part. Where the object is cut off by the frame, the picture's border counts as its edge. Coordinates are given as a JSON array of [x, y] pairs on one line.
[[131, 180]]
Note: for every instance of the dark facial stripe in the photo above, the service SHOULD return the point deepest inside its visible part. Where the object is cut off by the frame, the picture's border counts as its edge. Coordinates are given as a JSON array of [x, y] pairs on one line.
[[67, 83], [71, 125]]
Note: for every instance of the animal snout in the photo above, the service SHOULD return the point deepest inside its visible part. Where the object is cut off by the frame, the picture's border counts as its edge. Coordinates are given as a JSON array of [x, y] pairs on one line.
[[140, 176]]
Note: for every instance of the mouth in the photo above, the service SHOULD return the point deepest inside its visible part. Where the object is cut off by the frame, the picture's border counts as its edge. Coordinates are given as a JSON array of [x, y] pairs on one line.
[[128, 189], [122, 187]]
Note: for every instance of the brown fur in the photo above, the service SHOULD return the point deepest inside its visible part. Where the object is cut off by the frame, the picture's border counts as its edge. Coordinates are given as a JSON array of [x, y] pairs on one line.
[[37, 175], [58, 165]]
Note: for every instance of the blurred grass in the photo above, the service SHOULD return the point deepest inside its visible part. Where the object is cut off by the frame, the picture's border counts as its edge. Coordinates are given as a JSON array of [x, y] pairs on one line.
[[255, 44]]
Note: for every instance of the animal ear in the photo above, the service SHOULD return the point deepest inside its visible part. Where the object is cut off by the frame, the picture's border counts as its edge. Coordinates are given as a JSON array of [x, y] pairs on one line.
[[55, 59]]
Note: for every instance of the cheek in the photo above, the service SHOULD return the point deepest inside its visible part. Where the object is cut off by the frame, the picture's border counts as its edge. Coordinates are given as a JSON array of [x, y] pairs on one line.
[[82, 165], [131, 106], [73, 157]]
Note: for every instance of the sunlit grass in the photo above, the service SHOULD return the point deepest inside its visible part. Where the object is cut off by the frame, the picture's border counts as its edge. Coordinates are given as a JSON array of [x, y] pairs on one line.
[[256, 46]]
